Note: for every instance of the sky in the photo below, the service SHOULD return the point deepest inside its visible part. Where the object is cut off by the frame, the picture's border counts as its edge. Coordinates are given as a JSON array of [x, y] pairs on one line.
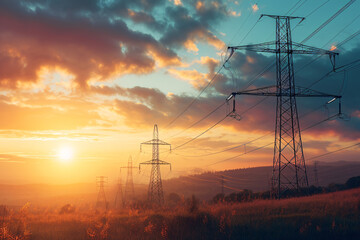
[[82, 84]]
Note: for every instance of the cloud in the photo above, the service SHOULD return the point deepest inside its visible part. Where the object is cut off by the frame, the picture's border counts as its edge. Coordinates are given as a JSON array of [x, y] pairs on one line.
[[34, 112], [147, 19], [259, 119], [186, 31], [89, 48]]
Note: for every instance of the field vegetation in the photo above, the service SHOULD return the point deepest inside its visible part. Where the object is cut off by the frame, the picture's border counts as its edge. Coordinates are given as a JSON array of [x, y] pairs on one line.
[[323, 216]]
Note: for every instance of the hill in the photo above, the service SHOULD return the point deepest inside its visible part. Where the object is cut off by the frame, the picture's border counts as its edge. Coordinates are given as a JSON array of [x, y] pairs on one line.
[[208, 184]]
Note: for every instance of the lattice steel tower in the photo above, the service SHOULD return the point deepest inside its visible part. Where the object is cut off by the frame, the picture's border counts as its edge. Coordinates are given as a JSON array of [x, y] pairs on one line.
[[155, 191], [289, 169], [101, 199], [129, 186], [119, 198]]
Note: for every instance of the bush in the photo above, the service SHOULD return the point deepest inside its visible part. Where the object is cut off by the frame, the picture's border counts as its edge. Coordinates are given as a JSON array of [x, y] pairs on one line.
[[353, 182]]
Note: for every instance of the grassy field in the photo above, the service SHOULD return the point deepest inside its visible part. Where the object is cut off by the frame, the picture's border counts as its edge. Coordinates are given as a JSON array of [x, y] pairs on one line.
[[326, 216]]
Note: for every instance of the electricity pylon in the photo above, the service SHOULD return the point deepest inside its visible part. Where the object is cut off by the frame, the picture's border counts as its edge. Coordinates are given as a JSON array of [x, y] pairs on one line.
[[289, 169], [155, 191], [101, 199], [129, 186], [119, 200]]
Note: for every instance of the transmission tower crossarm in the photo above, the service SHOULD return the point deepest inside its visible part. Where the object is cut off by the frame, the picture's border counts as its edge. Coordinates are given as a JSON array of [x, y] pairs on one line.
[[273, 91], [155, 162], [155, 141], [270, 47], [284, 17]]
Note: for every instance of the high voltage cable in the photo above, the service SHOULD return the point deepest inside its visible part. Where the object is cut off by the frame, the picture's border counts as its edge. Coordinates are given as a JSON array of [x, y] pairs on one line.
[[350, 37], [240, 27], [313, 11], [341, 68], [327, 119], [210, 181], [337, 45], [230, 158], [253, 140], [328, 21], [181, 145], [261, 147], [338, 150], [347, 25], [200, 120], [197, 97], [201, 179], [293, 7], [257, 77], [228, 149], [268, 67], [298, 7], [221, 174], [358, 60], [218, 123], [249, 31]]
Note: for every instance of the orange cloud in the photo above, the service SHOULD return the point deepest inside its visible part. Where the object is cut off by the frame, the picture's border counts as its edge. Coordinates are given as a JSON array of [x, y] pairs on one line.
[[194, 77], [85, 50]]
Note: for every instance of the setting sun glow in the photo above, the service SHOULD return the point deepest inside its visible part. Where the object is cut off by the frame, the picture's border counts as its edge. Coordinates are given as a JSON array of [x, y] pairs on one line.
[[65, 154]]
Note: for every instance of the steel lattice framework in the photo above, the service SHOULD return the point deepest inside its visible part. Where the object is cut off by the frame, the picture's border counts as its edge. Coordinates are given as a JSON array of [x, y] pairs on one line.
[[101, 199], [289, 168], [129, 186], [119, 200], [155, 191]]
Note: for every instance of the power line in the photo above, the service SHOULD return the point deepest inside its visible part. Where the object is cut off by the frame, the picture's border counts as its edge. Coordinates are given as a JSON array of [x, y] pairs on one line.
[[231, 148], [253, 140], [200, 120], [328, 21], [349, 38], [230, 158], [197, 97], [338, 150], [218, 123], [268, 67], [293, 7], [313, 11], [298, 7], [338, 33], [263, 146], [341, 68], [338, 45], [187, 142], [247, 34]]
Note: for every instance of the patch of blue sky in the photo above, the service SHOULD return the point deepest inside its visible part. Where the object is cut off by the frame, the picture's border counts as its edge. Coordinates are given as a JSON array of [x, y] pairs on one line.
[[160, 79]]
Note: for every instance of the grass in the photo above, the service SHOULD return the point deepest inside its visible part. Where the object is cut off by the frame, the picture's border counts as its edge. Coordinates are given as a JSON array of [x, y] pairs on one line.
[[325, 216]]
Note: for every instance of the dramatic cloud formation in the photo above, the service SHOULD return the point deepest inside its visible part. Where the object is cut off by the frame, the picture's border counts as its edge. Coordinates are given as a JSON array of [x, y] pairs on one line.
[[106, 71]]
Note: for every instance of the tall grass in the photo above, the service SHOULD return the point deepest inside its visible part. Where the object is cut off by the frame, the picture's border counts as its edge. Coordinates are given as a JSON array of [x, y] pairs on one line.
[[325, 216]]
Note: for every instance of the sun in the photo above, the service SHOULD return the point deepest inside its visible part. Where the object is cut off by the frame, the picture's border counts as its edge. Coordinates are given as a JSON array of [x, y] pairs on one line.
[[65, 154]]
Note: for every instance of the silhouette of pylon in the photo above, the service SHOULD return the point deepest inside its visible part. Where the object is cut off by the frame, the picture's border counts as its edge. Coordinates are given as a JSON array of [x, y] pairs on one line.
[[129, 187], [155, 192], [289, 168], [119, 201], [101, 199]]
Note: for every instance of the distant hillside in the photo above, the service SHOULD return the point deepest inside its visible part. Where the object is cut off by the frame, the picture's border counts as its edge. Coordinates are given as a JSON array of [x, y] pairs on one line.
[[208, 184], [204, 186]]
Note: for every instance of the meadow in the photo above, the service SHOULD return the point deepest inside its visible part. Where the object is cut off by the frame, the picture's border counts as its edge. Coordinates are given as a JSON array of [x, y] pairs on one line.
[[324, 216]]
